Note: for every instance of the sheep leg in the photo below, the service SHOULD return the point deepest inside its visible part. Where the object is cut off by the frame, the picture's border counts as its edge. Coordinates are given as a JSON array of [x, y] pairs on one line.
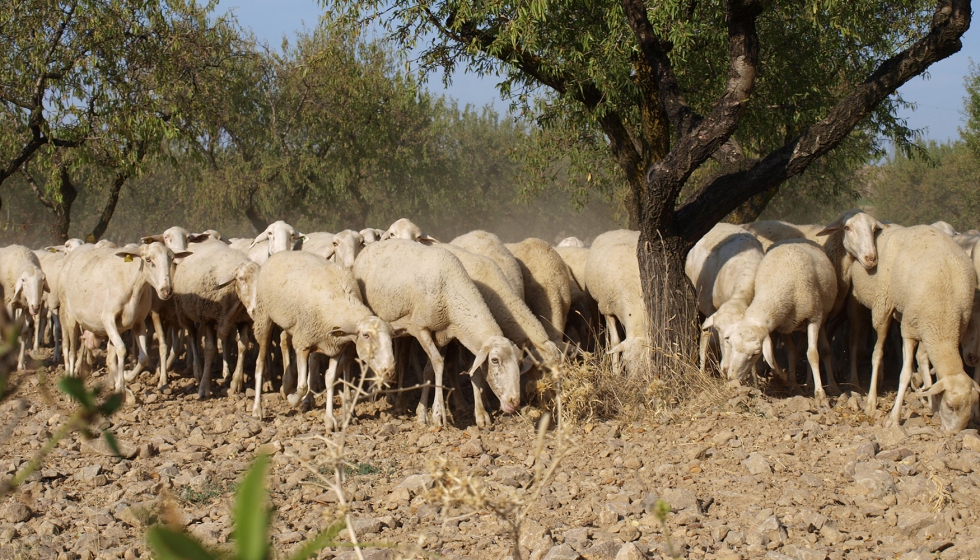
[[881, 330], [288, 373], [238, 377], [192, 342], [827, 353], [813, 357], [612, 333], [69, 347], [922, 358], [22, 339], [791, 364], [857, 335], [302, 369], [139, 337], [330, 379], [39, 324], [263, 333], [479, 382], [161, 336], [56, 331], [117, 347], [435, 358], [225, 359], [204, 387], [703, 348], [908, 352]]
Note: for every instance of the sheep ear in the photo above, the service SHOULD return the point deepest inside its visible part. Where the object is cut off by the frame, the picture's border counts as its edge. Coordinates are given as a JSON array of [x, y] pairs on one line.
[[198, 237], [339, 331], [128, 254], [261, 237], [45, 287], [937, 388], [619, 348], [55, 249], [179, 257], [428, 240], [830, 229], [708, 323], [767, 352], [397, 332], [19, 288], [480, 358], [151, 239]]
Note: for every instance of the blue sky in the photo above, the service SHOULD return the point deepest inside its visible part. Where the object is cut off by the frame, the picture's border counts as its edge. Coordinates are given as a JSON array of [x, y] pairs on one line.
[[938, 97]]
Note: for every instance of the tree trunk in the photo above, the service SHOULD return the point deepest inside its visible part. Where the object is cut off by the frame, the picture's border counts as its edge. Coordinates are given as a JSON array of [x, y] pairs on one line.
[[110, 208], [670, 301], [751, 209]]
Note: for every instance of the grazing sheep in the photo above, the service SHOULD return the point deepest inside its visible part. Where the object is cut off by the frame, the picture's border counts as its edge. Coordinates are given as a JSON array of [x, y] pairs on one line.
[[722, 267], [924, 278], [202, 305], [318, 304], [571, 242], [107, 291], [547, 286], [489, 245], [24, 284], [403, 228], [795, 287], [583, 315], [279, 236], [612, 277], [427, 292]]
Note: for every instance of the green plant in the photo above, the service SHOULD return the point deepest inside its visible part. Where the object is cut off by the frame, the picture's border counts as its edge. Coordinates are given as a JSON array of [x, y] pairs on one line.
[[252, 517], [203, 495], [360, 469], [660, 511]]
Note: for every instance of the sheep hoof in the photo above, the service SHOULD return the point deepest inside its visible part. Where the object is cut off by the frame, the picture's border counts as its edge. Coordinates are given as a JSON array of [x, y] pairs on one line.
[[438, 417], [257, 412], [293, 399], [422, 415], [483, 420], [235, 387], [331, 422]]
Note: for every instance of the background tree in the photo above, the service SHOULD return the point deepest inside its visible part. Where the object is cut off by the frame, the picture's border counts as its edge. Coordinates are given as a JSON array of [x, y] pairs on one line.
[[765, 89]]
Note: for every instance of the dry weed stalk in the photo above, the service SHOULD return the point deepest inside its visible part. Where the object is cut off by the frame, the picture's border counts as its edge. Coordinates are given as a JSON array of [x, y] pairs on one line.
[[941, 496]]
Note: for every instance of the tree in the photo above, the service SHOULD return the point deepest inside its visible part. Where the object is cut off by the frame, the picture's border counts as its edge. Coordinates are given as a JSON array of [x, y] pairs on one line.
[[92, 88], [971, 110], [764, 89]]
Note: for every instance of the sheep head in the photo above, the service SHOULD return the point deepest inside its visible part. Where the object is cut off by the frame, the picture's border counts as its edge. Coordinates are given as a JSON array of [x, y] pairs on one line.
[[503, 371], [403, 228], [281, 237], [746, 342], [373, 343], [30, 289], [156, 263], [245, 276], [346, 245], [958, 401], [860, 234]]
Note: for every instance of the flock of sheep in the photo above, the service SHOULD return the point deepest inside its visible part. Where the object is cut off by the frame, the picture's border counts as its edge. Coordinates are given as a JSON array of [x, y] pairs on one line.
[[359, 299]]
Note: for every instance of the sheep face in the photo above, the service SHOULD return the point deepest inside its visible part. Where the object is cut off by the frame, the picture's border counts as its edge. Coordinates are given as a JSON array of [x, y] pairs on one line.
[[73, 244], [158, 263], [860, 231], [346, 245], [571, 242], [745, 343], [503, 372], [958, 401], [371, 235], [30, 289], [246, 278], [280, 235], [403, 228], [373, 344]]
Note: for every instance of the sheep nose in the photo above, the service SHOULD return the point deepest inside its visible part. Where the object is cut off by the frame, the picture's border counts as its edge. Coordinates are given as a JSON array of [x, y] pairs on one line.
[[509, 406], [871, 260], [165, 292], [34, 309]]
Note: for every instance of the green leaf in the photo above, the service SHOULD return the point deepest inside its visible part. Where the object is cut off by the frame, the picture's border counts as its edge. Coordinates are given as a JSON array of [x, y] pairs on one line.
[[112, 404], [174, 545], [251, 513], [324, 539], [110, 439], [75, 388]]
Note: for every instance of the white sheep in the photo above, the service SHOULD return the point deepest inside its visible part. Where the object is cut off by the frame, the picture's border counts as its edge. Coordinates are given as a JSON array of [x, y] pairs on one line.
[[583, 314], [107, 291], [489, 245], [202, 306], [722, 267], [279, 236], [24, 284], [924, 278], [318, 304], [371, 235], [547, 285], [427, 292], [346, 246], [612, 277], [571, 242], [176, 238], [795, 287], [772, 231], [52, 260], [319, 243], [403, 228], [946, 228]]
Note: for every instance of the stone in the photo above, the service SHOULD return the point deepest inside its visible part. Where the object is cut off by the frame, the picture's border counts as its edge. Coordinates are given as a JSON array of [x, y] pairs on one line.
[[363, 525], [873, 481], [472, 448], [416, 483], [16, 513], [963, 550], [803, 553], [866, 451], [629, 533], [602, 550], [679, 499], [630, 551], [910, 522], [562, 552], [90, 472], [719, 532], [971, 441], [578, 538], [895, 454], [890, 437], [757, 464]]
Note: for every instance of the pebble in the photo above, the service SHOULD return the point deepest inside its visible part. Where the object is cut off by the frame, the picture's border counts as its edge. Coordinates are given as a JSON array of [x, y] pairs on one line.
[[16, 512], [757, 464]]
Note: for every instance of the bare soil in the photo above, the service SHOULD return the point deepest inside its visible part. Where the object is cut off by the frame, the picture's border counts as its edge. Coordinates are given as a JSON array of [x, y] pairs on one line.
[[752, 476]]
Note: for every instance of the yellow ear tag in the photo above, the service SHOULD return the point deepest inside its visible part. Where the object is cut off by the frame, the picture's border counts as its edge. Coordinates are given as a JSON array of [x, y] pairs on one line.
[[90, 238], [129, 258]]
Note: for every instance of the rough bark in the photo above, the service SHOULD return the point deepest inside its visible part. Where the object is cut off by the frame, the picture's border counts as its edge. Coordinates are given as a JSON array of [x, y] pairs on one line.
[[109, 209], [59, 206]]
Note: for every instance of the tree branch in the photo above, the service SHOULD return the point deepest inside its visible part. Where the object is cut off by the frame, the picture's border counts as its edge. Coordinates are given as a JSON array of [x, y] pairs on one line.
[[34, 187], [722, 195]]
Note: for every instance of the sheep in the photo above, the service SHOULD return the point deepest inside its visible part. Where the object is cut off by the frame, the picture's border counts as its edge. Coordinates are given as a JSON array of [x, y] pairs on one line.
[[427, 292], [968, 241], [403, 228], [547, 286], [51, 261], [583, 313], [279, 236], [371, 235], [319, 243], [795, 285], [176, 238], [722, 267], [612, 277], [946, 228], [200, 301], [346, 246], [771, 231], [24, 284], [571, 242], [73, 243], [107, 291], [924, 278], [318, 304], [240, 243], [489, 245]]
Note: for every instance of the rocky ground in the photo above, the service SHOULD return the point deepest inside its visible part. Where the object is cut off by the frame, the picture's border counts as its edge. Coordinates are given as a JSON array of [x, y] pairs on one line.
[[751, 477]]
